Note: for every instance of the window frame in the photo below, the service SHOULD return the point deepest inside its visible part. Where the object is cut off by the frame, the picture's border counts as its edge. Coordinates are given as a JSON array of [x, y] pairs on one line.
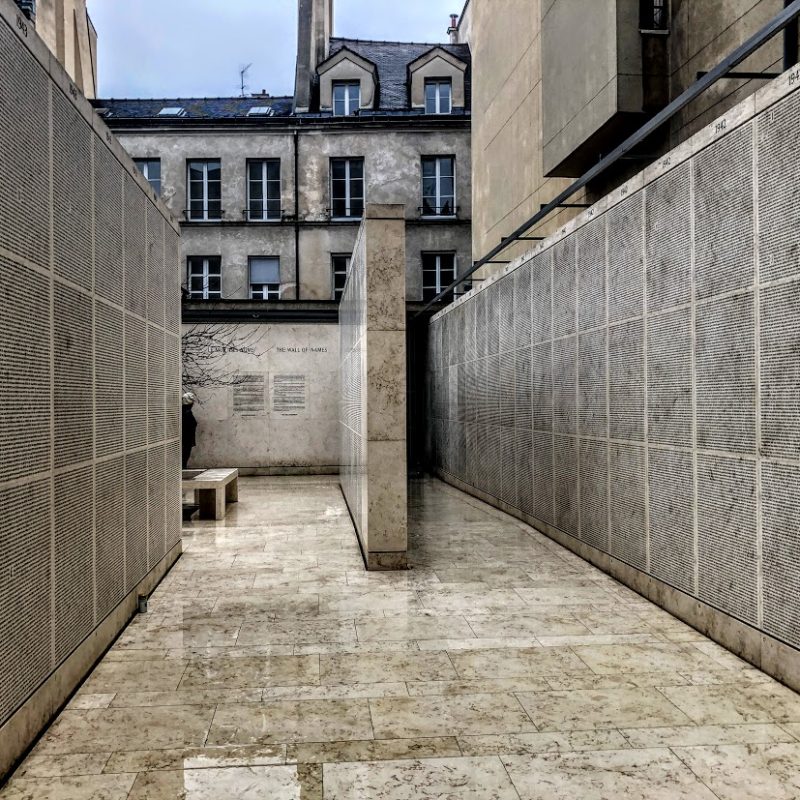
[[437, 212], [440, 284], [654, 15], [266, 291], [347, 100], [143, 165], [348, 180], [205, 274], [205, 186], [265, 183], [438, 83], [336, 293]]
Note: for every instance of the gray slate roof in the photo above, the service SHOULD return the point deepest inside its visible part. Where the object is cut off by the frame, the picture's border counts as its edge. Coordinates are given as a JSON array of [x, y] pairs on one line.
[[392, 60], [196, 107]]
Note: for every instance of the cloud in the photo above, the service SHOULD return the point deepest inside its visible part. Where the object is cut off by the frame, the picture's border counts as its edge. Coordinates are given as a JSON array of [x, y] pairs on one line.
[[195, 48]]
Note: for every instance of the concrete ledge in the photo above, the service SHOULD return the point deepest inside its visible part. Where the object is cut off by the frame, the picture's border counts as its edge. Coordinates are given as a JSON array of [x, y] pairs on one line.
[[21, 731], [254, 472], [775, 658], [386, 562]]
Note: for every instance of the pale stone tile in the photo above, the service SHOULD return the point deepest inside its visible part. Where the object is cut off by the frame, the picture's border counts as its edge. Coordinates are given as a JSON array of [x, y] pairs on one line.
[[511, 663], [373, 750], [247, 783], [601, 708], [128, 729], [51, 766], [353, 604], [414, 627], [477, 644], [609, 775], [84, 700], [195, 758], [484, 686], [85, 787], [270, 605], [188, 697], [637, 658], [408, 718], [621, 681], [296, 631], [574, 595], [187, 634], [736, 703], [544, 623], [520, 744], [291, 721], [497, 577], [431, 779], [357, 647], [598, 640], [377, 667], [238, 673], [747, 772], [335, 692], [689, 736], [479, 601], [134, 676], [247, 651]]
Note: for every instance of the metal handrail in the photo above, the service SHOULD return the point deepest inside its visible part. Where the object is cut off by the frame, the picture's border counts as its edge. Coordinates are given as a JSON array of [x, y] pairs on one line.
[[781, 21]]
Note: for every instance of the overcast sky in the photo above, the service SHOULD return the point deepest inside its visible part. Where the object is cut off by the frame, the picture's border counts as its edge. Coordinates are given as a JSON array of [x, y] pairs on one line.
[[195, 48]]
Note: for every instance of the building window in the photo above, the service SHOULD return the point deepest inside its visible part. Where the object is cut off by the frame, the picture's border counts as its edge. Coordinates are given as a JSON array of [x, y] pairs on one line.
[[347, 188], [205, 190], [438, 186], [205, 277], [265, 278], [264, 190], [346, 98], [654, 15], [438, 272], [340, 266], [151, 169], [438, 96]]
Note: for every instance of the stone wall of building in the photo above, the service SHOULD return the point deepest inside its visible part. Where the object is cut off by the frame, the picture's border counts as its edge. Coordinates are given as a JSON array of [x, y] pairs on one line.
[[508, 97], [392, 174], [373, 388], [89, 386], [267, 396], [630, 387]]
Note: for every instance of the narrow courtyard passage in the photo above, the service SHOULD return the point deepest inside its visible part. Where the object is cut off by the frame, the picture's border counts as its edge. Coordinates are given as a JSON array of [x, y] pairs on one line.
[[502, 667]]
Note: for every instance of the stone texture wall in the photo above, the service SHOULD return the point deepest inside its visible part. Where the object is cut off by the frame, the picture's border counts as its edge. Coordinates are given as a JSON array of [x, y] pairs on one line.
[[89, 386], [631, 386], [266, 396], [372, 320]]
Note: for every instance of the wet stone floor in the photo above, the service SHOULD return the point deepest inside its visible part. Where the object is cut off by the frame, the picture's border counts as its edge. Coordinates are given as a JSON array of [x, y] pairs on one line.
[[501, 667]]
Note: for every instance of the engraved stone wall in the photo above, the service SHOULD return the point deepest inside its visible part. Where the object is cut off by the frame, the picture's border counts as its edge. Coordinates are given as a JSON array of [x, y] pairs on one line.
[[372, 320], [634, 382], [85, 379]]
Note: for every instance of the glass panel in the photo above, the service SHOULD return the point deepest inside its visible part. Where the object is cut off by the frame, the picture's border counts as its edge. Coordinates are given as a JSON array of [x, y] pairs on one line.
[[154, 170], [357, 207], [430, 98], [339, 208], [214, 171], [447, 167], [273, 170], [214, 190], [265, 270], [338, 169], [256, 209], [254, 169], [195, 171], [214, 209], [156, 184], [256, 190], [446, 188], [354, 95], [196, 283], [428, 167], [196, 209], [444, 97], [214, 283], [274, 209], [357, 189], [356, 168]]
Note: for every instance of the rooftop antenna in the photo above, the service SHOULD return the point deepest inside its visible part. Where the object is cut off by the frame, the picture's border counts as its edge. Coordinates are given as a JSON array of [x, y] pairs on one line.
[[242, 74]]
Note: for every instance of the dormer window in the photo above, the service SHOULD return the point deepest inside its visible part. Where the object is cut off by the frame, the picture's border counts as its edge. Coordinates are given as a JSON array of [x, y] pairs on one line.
[[346, 98], [438, 96]]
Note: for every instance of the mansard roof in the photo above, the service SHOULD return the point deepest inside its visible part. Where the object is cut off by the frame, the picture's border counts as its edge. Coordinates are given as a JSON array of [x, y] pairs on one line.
[[195, 107], [393, 59]]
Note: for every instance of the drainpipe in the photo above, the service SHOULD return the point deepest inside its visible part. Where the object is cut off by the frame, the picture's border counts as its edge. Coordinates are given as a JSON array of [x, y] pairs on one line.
[[791, 39], [296, 143]]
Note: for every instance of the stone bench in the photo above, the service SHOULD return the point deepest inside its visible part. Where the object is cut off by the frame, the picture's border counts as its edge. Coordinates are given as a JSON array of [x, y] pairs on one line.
[[213, 489]]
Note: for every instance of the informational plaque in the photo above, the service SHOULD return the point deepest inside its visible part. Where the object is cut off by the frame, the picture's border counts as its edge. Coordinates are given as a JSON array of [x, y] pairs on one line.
[[289, 395], [249, 396]]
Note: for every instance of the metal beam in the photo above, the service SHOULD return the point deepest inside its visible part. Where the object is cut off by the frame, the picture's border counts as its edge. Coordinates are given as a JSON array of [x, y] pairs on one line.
[[746, 76], [781, 21]]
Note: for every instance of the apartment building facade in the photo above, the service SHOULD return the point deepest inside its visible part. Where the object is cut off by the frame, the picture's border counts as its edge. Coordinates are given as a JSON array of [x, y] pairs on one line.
[[270, 193]]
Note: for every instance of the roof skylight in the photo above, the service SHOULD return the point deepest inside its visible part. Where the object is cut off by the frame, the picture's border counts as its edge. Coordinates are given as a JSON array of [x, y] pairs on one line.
[[172, 111], [261, 111]]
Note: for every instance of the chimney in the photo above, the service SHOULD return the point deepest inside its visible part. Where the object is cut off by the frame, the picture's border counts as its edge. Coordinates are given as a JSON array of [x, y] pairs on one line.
[[452, 31], [314, 30]]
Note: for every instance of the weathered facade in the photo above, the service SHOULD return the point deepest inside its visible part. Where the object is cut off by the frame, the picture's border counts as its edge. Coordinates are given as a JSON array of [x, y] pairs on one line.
[[555, 88]]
